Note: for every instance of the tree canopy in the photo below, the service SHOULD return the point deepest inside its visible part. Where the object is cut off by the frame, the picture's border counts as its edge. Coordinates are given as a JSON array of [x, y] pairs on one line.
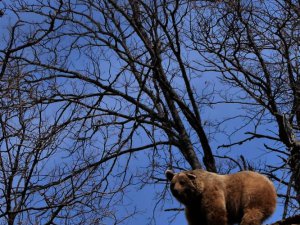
[[100, 97]]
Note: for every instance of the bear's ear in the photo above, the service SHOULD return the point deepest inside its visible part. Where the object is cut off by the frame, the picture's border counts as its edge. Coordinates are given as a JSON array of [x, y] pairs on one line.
[[169, 174], [191, 176]]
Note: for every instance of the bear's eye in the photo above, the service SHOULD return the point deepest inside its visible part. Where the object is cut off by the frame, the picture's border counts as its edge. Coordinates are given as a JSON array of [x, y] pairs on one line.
[[181, 182]]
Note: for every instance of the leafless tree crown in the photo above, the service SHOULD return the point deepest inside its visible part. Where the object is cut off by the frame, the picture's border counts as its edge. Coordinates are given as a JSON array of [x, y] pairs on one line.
[[98, 97]]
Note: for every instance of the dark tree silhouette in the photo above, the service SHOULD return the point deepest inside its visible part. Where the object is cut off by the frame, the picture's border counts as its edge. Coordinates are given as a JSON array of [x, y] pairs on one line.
[[255, 46], [98, 96]]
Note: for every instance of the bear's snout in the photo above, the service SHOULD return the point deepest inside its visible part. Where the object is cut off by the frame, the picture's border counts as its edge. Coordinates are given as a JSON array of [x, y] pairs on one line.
[[175, 192]]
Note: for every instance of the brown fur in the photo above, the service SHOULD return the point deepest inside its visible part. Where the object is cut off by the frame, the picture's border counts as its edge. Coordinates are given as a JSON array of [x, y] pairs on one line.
[[247, 198]]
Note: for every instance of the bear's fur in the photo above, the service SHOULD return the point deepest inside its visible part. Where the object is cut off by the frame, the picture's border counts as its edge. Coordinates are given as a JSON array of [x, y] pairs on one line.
[[246, 197]]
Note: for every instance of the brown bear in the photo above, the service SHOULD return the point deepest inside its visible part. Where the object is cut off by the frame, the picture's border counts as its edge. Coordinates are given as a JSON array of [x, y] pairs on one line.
[[246, 197]]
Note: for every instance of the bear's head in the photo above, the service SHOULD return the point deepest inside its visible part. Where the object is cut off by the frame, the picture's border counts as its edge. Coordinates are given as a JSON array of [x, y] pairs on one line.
[[183, 186]]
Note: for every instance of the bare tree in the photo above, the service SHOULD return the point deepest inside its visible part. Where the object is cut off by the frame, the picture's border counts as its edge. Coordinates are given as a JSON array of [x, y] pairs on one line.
[[255, 46], [41, 179], [102, 83], [44, 177]]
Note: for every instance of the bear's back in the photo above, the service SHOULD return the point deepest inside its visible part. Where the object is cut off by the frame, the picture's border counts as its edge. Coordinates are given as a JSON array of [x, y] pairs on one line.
[[248, 189]]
